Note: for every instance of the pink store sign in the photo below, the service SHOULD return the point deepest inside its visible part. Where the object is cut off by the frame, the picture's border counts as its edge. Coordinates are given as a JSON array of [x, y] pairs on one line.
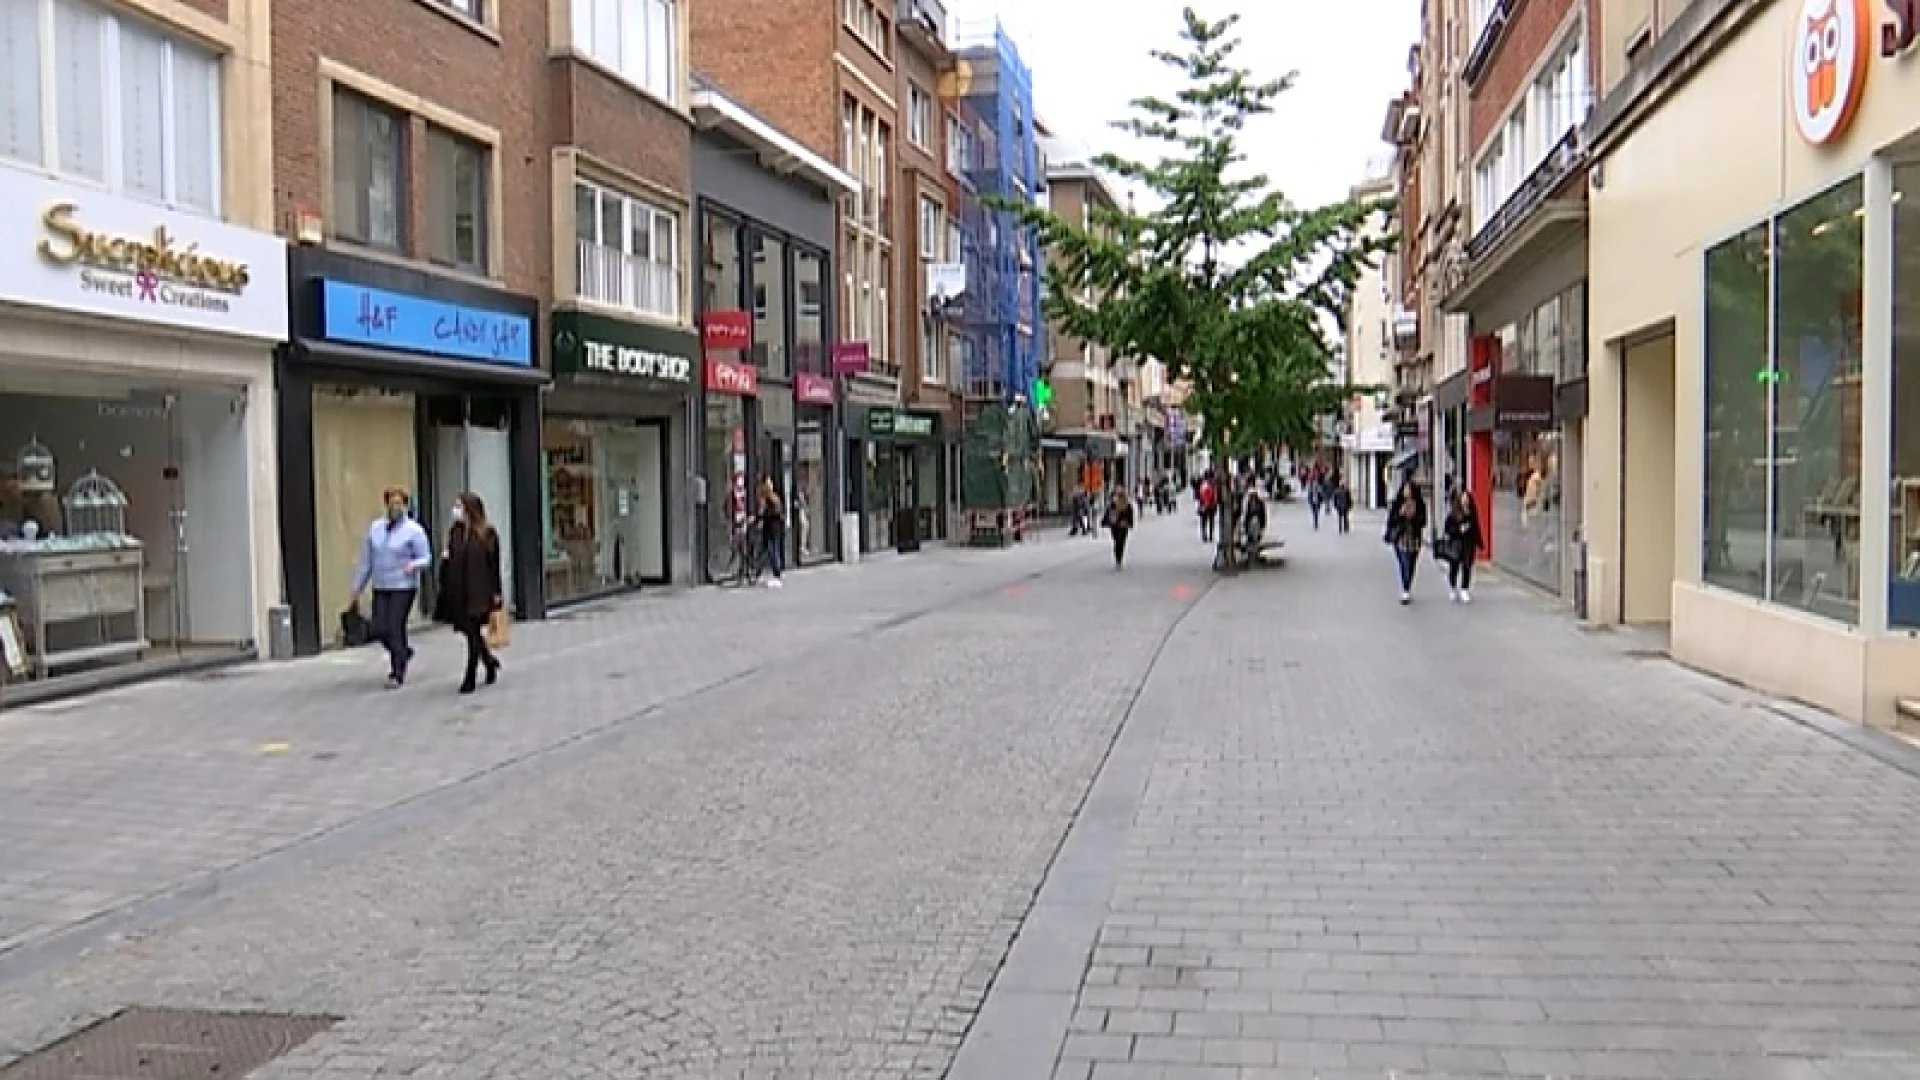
[[811, 389]]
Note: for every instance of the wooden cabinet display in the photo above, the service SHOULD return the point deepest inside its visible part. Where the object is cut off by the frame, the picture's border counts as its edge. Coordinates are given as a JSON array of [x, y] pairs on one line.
[[55, 587]]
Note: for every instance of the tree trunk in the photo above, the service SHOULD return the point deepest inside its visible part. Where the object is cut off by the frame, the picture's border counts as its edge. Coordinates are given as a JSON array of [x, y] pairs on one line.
[[1226, 555]]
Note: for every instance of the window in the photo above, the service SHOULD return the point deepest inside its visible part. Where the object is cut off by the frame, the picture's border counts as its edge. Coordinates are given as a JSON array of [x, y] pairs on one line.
[[869, 23], [920, 118], [1486, 185], [770, 306], [637, 39], [809, 318], [932, 229], [1903, 588], [955, 163], [723, 278], [472, 9], [1559, 95], [956, 252], [130, 107], [369, 172], [1783, 408], [458, 183], [1734, 533], [864, 248], [931, 371], [628, 251]]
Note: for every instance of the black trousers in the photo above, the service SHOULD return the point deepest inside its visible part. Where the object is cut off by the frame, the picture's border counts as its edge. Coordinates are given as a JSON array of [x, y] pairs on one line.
[[1460, 574], [478, 655], [1119, 545], [391, 610]]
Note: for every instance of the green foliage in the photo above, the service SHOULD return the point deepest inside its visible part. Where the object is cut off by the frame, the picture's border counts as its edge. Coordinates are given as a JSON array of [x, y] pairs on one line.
[[1222, 279]]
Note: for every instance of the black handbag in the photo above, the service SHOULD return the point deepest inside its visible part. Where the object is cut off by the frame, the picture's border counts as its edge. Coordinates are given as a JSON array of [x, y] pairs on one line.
[[355, 630]]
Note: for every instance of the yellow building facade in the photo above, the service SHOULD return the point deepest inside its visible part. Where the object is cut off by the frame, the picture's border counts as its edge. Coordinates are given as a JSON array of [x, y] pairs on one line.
[[1755, 366]]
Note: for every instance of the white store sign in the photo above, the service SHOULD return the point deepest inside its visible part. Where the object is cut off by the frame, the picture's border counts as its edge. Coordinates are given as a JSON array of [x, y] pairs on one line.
[[82, 250]]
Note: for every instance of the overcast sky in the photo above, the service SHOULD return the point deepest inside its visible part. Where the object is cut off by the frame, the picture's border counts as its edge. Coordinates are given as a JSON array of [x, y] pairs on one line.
[[1089, 58]]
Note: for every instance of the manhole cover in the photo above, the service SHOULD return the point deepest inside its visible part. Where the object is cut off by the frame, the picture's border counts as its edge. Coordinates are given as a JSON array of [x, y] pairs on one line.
[[169, 1044]]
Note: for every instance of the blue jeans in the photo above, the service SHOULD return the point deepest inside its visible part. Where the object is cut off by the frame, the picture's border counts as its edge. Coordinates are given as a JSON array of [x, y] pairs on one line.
[[1409, 561], [774, 545]]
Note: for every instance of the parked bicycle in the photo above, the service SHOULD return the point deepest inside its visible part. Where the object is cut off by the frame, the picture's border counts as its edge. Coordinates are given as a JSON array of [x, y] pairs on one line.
[[748, 556]]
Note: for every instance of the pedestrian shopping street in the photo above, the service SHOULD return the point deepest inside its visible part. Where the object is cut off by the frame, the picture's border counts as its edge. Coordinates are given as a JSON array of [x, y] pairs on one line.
[[994, 815]]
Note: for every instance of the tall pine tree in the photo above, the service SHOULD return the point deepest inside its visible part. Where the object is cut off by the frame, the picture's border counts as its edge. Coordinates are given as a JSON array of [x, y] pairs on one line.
[[1218, 276]]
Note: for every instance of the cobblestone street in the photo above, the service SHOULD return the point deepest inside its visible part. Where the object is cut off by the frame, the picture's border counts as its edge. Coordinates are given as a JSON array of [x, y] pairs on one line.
[[994, 815]]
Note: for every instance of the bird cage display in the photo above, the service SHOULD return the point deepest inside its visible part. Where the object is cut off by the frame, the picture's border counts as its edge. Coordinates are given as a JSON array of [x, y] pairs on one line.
[[95, 505], [33, 468]]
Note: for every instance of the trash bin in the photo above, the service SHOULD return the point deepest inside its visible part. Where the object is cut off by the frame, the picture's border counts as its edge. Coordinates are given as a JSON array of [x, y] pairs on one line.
[[280, 632], [906, 530], [849, 538]]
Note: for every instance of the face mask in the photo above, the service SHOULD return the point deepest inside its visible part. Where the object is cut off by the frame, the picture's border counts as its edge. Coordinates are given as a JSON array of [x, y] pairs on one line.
[[395, 513], [459, 513]]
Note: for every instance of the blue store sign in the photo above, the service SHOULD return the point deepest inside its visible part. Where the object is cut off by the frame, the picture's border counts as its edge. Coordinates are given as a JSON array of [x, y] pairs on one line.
[[357, 315]]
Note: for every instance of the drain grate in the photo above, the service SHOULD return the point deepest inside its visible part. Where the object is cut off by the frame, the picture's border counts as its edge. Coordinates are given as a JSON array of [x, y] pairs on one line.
[[1644, 654], [169, 1044]]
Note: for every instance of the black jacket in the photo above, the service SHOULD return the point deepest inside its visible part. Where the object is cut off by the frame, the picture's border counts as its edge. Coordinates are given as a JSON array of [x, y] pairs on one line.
[[1463, 534], [470, 583], [1404, 532]]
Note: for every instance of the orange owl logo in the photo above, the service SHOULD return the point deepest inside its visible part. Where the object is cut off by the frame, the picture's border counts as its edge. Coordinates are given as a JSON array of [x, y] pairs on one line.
[[1829, 61]]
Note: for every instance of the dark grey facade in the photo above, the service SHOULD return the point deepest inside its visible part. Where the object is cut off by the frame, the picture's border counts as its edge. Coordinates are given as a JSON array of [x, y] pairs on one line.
[[730, 175]]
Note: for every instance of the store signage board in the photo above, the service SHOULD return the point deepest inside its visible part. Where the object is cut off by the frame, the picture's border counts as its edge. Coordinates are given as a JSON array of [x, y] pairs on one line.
[[1830, 49], [884, 423], [359, 315], [81, 250], [730, 377], [851, 358], [641, 355], [812, 389], [726, 331]]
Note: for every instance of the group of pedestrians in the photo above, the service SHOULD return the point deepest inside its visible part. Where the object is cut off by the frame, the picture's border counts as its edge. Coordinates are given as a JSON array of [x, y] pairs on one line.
[[393, 558], [1457, 543], [1328, 491]]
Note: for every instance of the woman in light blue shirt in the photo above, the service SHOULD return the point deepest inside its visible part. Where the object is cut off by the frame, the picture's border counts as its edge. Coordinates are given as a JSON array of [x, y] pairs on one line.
[[395, 552]]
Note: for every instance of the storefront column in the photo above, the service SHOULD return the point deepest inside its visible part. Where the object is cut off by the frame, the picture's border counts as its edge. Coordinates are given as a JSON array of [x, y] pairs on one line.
[[1876, 395]]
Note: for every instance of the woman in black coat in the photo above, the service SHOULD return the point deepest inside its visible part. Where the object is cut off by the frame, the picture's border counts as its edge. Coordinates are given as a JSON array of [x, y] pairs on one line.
[[470, 585]]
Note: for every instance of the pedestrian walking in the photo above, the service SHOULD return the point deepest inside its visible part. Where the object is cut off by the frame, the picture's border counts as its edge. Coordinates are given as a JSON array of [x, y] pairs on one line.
[[1119, 521], [471, 586], [773, 532], [1460, 544], [1209, 500], [1079, 525], [1316, 496], [1406, 531], [396, 549], [1343, 503]]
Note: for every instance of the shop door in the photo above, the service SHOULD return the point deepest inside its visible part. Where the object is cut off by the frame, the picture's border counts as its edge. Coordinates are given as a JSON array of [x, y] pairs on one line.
[[204, 603], [471, 446]]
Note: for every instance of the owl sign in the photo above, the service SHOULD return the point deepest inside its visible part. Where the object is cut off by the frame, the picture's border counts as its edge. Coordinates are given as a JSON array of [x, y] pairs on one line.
[[1827, 76]]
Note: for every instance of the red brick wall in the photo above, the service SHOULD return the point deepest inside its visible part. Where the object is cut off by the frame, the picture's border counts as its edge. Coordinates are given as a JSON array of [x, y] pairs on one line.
[[777, 60], [1528, 36], [608, 119], [407, 45]]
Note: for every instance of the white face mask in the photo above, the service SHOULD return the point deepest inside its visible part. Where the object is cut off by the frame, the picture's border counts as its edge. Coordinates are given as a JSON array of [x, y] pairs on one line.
[[459, 513]]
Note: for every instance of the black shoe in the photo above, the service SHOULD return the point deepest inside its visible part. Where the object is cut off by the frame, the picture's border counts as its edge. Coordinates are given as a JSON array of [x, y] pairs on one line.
[[493, 672], [467, 687], [395, 680]]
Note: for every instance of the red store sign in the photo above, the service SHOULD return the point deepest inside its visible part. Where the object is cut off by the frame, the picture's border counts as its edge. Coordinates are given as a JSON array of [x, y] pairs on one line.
[[811, 389], [732, 377], [726, 331]]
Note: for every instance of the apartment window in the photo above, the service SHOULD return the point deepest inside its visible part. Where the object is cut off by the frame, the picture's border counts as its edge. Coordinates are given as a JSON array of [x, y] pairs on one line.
[[920, 117], [869, 23], [628, 251], [1486, 184], [635, 38], [953, 144], [955, 251], [472, 9], [457, 183], [932, 229], [865, 253], [369, 172], [1560, 95], [114, 101]]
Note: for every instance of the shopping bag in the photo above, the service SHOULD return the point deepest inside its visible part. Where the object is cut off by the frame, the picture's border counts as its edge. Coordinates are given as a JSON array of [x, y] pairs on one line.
[[499, 630], [355, 630]]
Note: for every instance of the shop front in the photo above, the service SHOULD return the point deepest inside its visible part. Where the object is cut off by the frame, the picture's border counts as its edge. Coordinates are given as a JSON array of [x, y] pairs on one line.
[[1755, 367], [613, 447], [904, 477], [730, 420], [814, 396], [399, 377], [1511, 433], [137, 525]]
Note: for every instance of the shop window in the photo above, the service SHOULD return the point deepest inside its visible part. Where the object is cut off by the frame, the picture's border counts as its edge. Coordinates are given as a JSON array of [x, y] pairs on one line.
[[1734, 536], [628, 251], [152, 132], [369, 172], [1816, 405], [124, 525], [809, 318], [1784, 411], [1573, 333], [606, 505], [770, 348], [457, 178], [1903, 590]]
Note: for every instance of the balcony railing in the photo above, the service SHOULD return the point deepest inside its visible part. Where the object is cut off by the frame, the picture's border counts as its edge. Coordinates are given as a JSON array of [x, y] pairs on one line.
[[610, 276], [1487, 42], [1567, 155]]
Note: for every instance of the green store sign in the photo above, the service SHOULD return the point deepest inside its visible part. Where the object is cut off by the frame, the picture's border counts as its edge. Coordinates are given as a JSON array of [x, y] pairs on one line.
[[612, 350], [892, 423]]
